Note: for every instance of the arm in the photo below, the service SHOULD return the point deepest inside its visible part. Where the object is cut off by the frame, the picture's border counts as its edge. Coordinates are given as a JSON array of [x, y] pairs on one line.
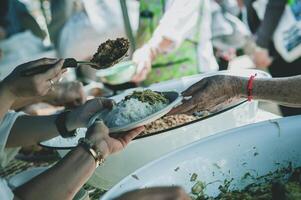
[[68, 93], [65, 179], [29, 130], [6, 100], [210, 92], [176, 24], [43, 127], [61, 181], [283, 91]]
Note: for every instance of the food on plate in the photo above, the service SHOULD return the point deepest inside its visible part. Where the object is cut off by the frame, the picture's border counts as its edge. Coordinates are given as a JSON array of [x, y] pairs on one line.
[[168, 122], [109, 52], [284, 184], [135, 107]]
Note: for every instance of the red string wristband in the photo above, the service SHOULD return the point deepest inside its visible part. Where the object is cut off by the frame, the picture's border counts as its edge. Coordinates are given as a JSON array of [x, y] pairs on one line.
[[250, 87]]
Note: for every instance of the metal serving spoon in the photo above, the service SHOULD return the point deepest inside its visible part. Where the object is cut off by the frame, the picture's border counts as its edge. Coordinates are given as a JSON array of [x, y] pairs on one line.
[[72, 63]]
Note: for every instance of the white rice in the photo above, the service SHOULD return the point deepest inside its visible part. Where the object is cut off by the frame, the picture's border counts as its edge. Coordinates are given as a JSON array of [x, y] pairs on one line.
[[131, 110]]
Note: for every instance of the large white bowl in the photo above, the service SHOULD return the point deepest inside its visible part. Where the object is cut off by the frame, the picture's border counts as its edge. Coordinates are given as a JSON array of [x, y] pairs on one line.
[[143, 150], [256, 149]]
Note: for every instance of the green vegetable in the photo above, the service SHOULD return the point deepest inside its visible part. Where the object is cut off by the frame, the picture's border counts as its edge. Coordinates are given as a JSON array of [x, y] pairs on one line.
[[198, 188], [193, 177], [148, 96]]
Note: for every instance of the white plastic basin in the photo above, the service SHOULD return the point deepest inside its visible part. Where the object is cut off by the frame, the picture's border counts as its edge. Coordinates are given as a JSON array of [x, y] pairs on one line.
[[258, 149]]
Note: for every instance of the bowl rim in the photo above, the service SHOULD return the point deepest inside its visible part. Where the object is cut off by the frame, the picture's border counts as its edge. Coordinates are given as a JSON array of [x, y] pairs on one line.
[[113, 70]]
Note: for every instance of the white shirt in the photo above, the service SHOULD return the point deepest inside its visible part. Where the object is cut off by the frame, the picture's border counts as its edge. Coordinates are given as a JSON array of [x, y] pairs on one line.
[[180, 22], [6, 154], [5, 192], [101, 20]]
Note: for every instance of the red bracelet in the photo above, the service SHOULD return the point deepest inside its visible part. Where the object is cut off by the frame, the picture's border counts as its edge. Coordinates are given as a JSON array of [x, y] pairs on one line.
[[250, 87]]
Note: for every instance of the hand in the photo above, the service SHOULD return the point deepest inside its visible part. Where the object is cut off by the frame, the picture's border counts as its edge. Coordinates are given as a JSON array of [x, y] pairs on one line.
[[143, 60], [158, 193], [208, 93], [80, 116], [69, 94], [18, 86], [261, 58], [98, 133]]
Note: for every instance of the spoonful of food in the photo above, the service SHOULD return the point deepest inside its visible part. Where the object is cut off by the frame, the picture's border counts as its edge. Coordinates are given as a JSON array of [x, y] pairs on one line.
[[108, 54]]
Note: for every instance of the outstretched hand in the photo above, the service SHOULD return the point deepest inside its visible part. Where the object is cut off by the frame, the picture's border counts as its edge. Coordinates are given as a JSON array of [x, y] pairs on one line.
[[209, 93], [37, 85], [98, 133]]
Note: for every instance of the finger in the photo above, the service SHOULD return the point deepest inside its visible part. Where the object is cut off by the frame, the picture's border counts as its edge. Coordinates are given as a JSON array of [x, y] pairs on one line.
[[136, 77], [186, 106], [127, 137], [57, 78], [132, 134], [82, 95], [54, 70], [190, 112], [196, 87], [78, 94], [41, 61], [99, 127], [144, 74], [104, 103]]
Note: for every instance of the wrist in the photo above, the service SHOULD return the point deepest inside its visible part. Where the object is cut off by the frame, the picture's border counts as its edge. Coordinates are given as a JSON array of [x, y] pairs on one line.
[[91, 148], [84, 154], [103, 148], [6, 93], [64, 128], [240, 84]]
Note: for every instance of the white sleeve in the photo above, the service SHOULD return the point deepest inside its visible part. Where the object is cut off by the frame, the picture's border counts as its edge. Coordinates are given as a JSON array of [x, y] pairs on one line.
[[179, 21], [5, 192], [6, 154]]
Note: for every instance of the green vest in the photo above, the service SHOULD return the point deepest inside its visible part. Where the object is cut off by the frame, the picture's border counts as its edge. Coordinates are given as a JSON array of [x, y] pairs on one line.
[[182, 62]]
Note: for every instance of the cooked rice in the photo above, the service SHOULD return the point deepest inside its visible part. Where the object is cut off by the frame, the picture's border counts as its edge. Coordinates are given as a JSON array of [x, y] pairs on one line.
[[129, 111]]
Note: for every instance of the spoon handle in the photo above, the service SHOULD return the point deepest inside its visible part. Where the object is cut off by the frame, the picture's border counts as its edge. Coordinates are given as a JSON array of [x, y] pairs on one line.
[[68, 63]]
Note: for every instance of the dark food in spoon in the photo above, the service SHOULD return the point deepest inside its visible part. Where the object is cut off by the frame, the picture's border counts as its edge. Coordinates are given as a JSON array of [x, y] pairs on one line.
[[109, 52]]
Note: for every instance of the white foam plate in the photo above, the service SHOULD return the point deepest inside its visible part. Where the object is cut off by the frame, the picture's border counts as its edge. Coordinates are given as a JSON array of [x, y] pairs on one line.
[[174, 98]]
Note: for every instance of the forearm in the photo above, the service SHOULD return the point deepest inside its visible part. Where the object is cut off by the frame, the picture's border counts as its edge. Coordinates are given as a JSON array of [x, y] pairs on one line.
[[29, 130], [173, 27], [63, 180], [284, 91], [22, 102], [6, 100]]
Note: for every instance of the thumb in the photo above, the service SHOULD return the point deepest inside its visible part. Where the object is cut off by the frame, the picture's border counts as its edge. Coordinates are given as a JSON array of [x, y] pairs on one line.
[[98, 104], [98, 127]]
